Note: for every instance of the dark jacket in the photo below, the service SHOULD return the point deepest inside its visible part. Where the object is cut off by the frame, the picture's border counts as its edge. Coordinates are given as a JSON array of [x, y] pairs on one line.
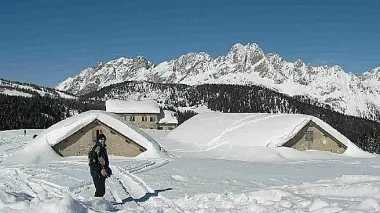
[[98, 160]]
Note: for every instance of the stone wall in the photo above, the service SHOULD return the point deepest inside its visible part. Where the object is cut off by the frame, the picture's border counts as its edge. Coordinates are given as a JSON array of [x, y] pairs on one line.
[[149, 123], [166, 126], [83, 140], [321, 140]]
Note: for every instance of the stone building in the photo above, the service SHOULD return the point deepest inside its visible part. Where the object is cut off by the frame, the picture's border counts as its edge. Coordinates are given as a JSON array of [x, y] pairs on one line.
[[312, 136], [145, 114], [78, 134], [301, 132]]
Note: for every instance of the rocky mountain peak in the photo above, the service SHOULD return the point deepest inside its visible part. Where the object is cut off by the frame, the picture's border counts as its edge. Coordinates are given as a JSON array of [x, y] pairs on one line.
[[243, 64], [372, 77], [250, 53]]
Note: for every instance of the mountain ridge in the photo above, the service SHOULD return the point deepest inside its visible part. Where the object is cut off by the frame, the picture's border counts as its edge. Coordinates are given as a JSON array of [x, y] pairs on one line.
[[243, 65]]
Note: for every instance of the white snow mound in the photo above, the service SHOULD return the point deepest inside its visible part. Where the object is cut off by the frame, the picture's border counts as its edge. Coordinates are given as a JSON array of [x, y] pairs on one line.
[[209, 131]]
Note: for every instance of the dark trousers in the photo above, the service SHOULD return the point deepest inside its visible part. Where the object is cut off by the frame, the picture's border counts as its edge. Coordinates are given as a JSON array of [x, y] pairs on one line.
[[100, 185]]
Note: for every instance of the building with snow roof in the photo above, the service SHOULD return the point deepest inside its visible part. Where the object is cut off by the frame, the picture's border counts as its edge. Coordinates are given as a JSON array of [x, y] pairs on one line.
[[76, 135], [145, 114], [301, 132], [168, 120]]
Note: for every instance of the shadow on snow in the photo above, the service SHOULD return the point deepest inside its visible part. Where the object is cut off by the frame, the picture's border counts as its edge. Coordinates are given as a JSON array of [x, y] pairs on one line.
[[144, 198]]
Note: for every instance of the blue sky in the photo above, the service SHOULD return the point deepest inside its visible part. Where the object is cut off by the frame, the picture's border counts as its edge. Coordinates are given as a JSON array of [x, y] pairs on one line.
[[46, 41]]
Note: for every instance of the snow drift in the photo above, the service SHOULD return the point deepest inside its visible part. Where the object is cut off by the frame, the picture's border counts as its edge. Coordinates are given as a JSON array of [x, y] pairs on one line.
[[235, 134]]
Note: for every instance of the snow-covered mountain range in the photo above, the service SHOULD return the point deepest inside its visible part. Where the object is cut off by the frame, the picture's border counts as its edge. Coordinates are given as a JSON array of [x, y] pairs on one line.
[[243, 64]]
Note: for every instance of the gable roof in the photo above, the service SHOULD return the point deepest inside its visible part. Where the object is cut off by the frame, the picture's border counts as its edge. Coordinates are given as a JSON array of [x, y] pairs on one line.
[[209, 130], [144, 106], [40, 149]]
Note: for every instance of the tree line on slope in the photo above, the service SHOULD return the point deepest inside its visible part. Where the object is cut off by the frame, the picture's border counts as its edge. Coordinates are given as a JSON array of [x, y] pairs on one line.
[[15, 85], [246, 99], [38, 112]]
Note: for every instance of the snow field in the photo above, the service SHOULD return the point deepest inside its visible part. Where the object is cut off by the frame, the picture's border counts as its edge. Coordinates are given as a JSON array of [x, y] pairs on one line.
[[191, 183], [263, 187], [31, 193], [13, 92]]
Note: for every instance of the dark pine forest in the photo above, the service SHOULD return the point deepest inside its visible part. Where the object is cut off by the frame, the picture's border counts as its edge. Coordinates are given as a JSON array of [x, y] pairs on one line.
[[42, 112]]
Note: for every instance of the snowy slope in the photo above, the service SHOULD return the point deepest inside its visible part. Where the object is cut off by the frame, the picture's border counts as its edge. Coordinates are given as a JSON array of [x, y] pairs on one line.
[[349, 185], [13, 92], [13, 88], [244, 64]]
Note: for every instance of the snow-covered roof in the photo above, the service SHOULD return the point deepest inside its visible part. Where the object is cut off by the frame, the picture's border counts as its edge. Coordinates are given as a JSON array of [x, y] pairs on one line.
[[40, 149], [131, 106], [210, 130], [168, 117]]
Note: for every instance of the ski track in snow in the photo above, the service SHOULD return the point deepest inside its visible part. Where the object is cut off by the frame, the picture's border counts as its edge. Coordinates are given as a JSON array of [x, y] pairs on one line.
[[216, 142], [122, 185], [139, 190]]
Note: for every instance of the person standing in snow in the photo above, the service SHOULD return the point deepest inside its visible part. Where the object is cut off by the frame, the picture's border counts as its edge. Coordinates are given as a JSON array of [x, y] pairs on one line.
[[99, 165]]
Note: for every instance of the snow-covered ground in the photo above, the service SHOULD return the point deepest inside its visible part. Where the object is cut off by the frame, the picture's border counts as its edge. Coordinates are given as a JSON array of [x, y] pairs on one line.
[[190, 182], [13, 92], [13, 89]]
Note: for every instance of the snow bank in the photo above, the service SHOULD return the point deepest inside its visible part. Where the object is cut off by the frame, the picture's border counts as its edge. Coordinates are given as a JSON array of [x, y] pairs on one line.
[[39, 150], [267, 200], [22, 202], [120, 106], [233, 132]]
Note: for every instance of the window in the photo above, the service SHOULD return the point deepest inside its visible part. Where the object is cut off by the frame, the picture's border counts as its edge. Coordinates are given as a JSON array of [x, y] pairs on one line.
[[152, 119], [95, 133], [144, 119], [309, 136], [132, 118]]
